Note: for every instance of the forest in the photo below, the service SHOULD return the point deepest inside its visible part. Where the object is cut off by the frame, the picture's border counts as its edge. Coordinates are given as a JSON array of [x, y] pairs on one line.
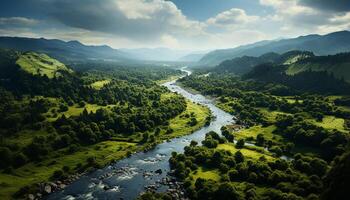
[[286, 144], [97, 109]]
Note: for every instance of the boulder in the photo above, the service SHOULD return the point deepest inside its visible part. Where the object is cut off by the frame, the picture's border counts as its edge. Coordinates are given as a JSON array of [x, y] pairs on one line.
[[159, 171], [47, 189]]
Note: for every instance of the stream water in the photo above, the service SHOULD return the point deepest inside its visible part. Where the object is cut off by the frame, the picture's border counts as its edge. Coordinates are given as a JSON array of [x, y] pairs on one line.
[[127, 178]]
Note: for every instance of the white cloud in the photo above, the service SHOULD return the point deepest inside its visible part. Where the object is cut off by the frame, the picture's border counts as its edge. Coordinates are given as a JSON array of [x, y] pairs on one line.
[[232, 17], [298, 18], [17, 21], [133, 19]]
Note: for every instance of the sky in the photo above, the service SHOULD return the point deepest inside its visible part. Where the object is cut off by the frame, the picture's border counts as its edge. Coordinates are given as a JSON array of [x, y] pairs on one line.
[[176, 24]]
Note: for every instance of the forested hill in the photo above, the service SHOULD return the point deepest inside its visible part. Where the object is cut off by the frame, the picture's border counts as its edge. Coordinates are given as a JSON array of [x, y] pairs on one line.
[[332, 43], [242, 65], [337, 65], [64, 51]]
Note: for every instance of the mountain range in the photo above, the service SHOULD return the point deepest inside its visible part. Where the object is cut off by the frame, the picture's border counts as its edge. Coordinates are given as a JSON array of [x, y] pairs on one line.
[[332, 43], [65, 51], [75, 51]]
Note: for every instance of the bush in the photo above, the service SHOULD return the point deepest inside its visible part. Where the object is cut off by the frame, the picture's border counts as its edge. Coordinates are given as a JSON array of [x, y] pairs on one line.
[[240, 143], [57, 174]]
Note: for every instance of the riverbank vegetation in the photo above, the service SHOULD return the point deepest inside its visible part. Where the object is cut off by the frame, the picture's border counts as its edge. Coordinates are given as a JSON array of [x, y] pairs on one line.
[[54, 126], [283, 145]]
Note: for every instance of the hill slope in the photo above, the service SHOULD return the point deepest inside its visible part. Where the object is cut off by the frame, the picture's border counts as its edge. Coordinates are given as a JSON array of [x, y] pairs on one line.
[[243, 65], [332, 43], [41, 64], [338, 65], [64, 51]]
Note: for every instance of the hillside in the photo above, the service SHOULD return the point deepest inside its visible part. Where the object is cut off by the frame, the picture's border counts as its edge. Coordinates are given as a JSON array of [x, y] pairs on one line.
[[64, 51], [41, 64], [243, 65], [338, 65], [332, 43]]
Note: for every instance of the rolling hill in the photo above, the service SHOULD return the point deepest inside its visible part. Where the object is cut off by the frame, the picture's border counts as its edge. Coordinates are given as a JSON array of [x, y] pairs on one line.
[[306, 72], [31, 63], [65, 51], [41, 64], [332, 43], [243, 65], [337, 65]]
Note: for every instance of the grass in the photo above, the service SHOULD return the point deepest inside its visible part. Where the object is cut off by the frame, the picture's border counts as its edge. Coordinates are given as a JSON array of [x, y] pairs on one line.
[[330, 122], [41, 64], [249, 153], [269, 115], [227, 105], [255, 130], [31, 173], [340, 70], [179, 123], [345, 108], [205, 174], [25, 137], [170, 78], [76, 110], [104, 152], [100, 84]]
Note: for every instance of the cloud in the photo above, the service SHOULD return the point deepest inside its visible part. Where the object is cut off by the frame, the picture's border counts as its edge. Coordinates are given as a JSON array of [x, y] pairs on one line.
[[232, 17], [134, 19], [160, 23], [17, 21], [329, 5], [303, 17]]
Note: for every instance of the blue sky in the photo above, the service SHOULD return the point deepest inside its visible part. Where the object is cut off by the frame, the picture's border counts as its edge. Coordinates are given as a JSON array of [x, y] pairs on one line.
[[178, 24]]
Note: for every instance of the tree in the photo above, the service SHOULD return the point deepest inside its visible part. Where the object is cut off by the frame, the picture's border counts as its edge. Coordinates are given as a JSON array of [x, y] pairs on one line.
[[227, 192], [5, 157], [240, 143], [239, 157], [260, 140]]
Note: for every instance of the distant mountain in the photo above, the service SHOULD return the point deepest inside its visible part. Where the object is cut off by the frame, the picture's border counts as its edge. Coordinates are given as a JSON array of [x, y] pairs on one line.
[[332, 43], [245, 64], [195, 57], [155, 54], [64, 51]]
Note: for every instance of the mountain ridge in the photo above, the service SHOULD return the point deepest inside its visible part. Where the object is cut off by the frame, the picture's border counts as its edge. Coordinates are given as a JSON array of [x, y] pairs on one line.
[[64, 51], [331, 43]]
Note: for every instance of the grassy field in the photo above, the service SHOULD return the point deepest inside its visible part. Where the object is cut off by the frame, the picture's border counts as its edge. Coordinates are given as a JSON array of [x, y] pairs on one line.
[[100, 84], [41, 64], [179, 123], [31, 173], [269, 115], [249, 153], [226, 106], [171, 78], [24, 137], [205, 174], [76, 110], [255, 130], [330, 122]]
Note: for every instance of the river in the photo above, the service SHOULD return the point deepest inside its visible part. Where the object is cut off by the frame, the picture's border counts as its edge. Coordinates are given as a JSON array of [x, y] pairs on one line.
[[128, 177]]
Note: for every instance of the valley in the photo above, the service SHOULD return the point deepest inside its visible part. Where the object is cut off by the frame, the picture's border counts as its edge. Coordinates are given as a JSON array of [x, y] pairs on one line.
[[268, 120]]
